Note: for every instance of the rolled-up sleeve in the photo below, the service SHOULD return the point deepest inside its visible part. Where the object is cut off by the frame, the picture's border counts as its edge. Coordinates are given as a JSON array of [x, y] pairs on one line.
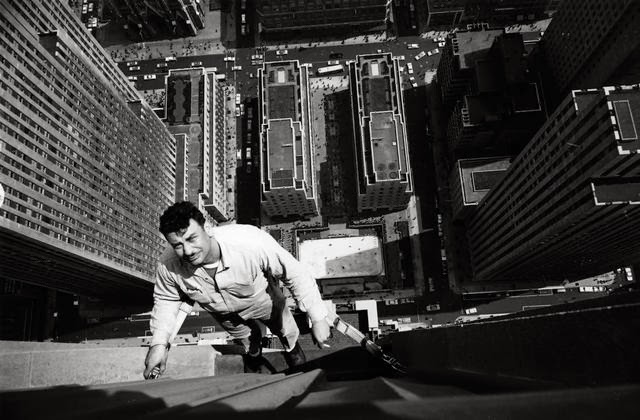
[[295, 275], [167, 302]]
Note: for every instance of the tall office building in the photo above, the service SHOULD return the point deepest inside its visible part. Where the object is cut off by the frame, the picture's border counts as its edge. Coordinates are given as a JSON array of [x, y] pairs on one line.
[[286, 143], [443, 15], [154, 19], [502, 107], [471, 180], [87, 167], [569, 205], [591, 43], [380, 136], [195, 115], [449, 14], [284, 17], [459, 56]]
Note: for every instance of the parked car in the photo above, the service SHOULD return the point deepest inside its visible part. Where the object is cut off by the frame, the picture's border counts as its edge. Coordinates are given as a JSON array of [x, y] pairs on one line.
[[433, 51], [410, 68], [420, 55], [441, 44], [230, 58], [333, 62], [149, 76], [236, 68], [196, 63], [134, 68], [412, 46], [282, 52], [170, 58], [161, 65]]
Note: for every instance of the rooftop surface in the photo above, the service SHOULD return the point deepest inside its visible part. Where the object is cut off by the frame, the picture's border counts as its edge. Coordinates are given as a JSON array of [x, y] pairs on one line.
[[283, 120], [386, 133], [183, 96], [478, 176], [280, 135], [280, 85], [381, 116], [468, 45], [342, 257]]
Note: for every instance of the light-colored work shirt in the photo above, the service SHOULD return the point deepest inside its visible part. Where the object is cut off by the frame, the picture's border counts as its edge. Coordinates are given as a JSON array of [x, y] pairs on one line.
[[248, 256]]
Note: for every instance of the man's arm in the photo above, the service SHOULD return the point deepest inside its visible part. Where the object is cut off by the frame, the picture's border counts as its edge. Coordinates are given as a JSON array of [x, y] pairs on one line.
[[169, 311], [299, 280], [167, 302]]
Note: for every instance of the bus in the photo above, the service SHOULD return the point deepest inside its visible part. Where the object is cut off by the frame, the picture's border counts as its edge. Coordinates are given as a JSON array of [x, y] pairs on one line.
[[470, 318], [330, 69]]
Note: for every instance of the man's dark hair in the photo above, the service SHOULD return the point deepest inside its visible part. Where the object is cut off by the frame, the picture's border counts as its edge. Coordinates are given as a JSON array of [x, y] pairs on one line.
[[176, 217]]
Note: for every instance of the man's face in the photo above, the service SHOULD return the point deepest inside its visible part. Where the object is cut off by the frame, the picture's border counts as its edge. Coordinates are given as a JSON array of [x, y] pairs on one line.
[[192, 244]]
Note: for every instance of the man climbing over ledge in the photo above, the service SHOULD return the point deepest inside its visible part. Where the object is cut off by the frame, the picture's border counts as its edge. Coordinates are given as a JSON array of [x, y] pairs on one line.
[[233, 273]]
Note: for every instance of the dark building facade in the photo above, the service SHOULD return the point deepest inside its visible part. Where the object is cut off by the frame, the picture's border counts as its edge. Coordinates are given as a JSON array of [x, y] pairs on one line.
[[449, 14], [498, 104], [569, 206], [153, 19], [591, 43], [87, 167], [456, 67], [278, 18]]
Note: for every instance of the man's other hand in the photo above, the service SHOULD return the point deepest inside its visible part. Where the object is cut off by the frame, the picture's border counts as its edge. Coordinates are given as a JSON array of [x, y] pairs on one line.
[[321, 331], [156, 358]]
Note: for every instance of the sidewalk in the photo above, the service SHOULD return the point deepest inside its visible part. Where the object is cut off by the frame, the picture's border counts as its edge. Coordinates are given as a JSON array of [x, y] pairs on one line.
[[207, 41], [362, 39]]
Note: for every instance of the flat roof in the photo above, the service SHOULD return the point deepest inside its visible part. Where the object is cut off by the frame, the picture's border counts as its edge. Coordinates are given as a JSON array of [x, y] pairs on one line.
[[381, 123], [478, 176], [377, 86], [386, 133], [183, 96], [467, 44], [282, 102], [281, 83], [283, 121], [355, 256], [280, 137]]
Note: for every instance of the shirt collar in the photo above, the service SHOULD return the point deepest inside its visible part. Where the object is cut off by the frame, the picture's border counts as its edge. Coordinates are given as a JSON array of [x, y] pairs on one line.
[[224, 253]]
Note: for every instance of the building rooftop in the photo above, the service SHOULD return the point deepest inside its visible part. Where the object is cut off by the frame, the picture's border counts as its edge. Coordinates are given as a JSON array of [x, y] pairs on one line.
[[471, 45], [342, 257], [478, 176], [381, 119], [377, 85], [281, 83], [386, 138], [184, 98], [280, 137]]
